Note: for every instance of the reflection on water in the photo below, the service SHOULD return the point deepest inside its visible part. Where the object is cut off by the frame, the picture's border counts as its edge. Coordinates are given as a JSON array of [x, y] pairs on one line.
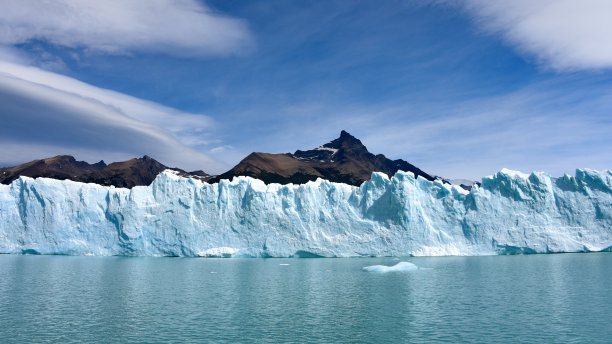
[[538, 298]]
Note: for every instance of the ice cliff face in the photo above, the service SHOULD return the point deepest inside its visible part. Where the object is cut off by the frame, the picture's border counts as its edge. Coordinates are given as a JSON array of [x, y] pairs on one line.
[[510, 213]]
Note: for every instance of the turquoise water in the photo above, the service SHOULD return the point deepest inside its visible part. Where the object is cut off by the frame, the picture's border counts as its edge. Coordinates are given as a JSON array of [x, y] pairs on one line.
[[535, 298]]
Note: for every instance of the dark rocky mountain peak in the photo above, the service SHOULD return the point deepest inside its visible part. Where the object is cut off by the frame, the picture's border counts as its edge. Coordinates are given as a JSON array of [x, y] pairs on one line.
[[345, 140], [344, 160], [66, 163], [99, 165], [199, 173], [334, 151]]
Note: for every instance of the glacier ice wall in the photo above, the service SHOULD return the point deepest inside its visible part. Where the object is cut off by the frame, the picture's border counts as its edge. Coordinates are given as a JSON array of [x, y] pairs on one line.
[[510, 213]]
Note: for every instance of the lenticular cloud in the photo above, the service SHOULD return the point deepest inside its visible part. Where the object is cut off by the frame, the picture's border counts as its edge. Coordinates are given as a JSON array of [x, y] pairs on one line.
[[47, 114], [182, 28]]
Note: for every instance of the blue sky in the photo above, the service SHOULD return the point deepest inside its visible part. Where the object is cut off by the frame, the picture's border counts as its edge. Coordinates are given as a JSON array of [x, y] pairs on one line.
[[459, 88]]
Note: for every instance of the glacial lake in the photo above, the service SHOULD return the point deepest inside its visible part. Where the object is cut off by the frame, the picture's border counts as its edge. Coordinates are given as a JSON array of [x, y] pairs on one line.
[[530, 299]]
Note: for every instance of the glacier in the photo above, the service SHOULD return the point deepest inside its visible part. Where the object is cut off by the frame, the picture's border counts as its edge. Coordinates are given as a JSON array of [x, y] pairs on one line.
[[509, 213]]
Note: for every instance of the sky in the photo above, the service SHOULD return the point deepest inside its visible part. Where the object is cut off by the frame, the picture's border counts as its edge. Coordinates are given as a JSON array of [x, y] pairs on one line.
[[460, 89]]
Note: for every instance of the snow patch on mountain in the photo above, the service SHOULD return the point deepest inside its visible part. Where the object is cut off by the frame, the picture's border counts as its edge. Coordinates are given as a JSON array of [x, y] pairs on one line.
[[333, 150]]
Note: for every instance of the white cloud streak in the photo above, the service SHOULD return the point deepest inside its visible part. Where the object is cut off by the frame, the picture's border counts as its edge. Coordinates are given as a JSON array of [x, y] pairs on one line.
[[564, 35], [43, 112], [174, 27], [531, 129], [189, 128]]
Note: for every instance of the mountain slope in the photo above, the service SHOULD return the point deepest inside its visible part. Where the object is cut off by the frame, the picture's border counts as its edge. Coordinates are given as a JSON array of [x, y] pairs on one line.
[[344, 160], [137, 171]]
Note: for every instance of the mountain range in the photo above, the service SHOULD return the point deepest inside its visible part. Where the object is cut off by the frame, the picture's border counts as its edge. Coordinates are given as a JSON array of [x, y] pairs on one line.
[[125, 174], [343, 160]]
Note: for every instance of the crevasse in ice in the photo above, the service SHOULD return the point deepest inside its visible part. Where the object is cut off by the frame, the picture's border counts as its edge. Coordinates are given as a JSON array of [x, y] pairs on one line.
[[510, 212]]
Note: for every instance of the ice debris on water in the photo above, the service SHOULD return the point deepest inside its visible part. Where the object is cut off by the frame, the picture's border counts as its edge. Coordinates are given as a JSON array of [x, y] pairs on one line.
[[509, 213], [401, 266], [218, 252]]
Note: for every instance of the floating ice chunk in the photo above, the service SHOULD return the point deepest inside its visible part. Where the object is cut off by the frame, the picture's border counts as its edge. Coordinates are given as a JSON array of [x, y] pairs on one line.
[[401, 266], [283, 264], [219, 252]]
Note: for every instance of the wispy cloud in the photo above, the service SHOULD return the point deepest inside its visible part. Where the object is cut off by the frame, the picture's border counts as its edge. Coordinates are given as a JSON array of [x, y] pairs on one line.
[[561, 34], [43, 112], [552, 127], [174, 27]]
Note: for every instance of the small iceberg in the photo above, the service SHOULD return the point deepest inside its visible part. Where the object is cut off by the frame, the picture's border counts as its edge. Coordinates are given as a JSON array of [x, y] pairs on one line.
[[401, 266], [219, 252]]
